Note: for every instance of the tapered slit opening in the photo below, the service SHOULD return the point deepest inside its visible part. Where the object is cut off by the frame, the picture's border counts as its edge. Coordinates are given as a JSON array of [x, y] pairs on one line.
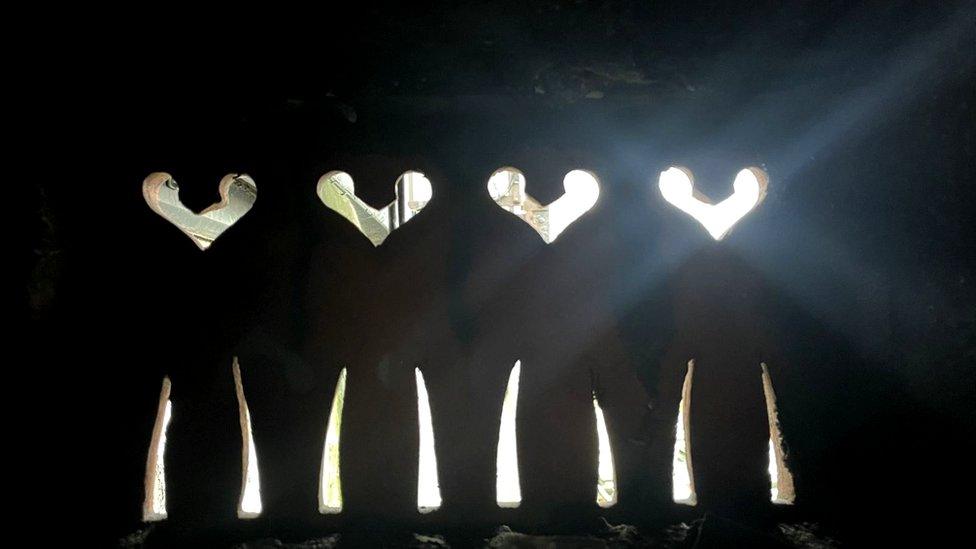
[[508, 491]]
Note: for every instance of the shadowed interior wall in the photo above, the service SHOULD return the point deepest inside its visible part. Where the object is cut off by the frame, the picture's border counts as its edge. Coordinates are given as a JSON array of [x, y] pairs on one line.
[[853, 280]]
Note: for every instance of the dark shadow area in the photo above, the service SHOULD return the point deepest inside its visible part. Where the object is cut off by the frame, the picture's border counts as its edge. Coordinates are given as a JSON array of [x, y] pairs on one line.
[[853, 280]]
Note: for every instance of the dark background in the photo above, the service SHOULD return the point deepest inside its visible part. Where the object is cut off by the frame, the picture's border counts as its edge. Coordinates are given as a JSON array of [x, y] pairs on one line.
[[854, 280]]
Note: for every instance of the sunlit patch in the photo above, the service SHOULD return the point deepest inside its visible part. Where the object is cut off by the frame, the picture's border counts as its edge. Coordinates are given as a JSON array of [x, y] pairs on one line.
[[508, 490], [154, 504], [237, 196], [330, 481], [507, 188], [749, 189], [682, 475], [249, 504], [338, 192], [606, 480], [782, 491], [428, 487]]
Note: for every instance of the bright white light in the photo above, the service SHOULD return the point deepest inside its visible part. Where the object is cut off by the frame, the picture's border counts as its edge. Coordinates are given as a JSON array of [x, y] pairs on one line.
[[249, 504], [418, 187], [773, 473], [606, 481], [330, 482], [582, 191], [781, 489], [154, 504], [508, 184], [428, 487], [718, 219], [682, 475], [508, 490]]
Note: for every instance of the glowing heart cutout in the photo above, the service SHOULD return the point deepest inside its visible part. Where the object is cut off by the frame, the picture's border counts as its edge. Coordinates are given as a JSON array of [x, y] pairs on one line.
[[237, 196], [338, 192], [749, 189], [507, 188]]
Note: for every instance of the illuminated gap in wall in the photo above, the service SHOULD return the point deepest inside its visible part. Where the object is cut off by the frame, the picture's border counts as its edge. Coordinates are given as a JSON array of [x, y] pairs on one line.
[[507, 188], [330, 481], [749, 189], [780, 478], [428, 487], [682, 475], [508, 491], [606, 480], [249, 504], [154, 505]]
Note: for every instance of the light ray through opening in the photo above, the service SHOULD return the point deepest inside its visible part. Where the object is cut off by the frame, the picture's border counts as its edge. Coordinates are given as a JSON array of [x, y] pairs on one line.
[[749, 189]]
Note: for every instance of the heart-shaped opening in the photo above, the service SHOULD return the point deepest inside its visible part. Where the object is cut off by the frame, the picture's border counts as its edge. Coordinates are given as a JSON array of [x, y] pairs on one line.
[[337, 191], [237, 196], [582, 189], [749, 189]]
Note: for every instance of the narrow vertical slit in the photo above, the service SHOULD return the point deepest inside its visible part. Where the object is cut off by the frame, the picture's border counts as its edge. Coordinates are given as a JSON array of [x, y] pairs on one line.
[[154, 505], [249, 504], [428, 487], [330, 481], [682, 474], [606, 482], [508, 491], [781, 487]]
